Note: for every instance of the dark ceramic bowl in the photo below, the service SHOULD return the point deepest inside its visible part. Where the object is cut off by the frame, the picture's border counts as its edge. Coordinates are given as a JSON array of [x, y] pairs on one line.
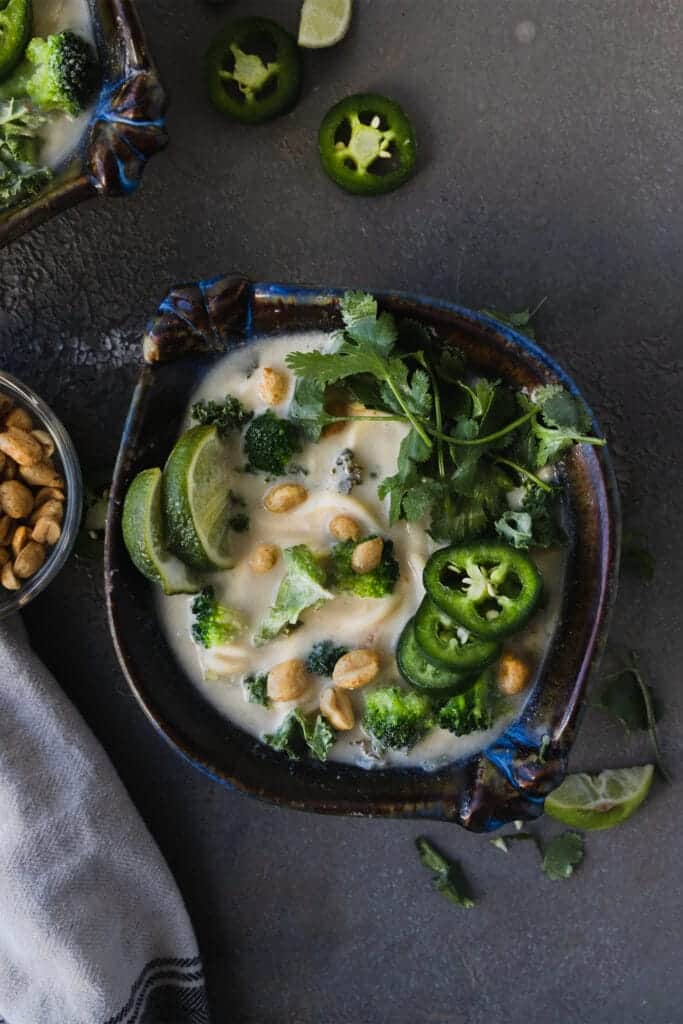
[[195, 326], [125, 130]]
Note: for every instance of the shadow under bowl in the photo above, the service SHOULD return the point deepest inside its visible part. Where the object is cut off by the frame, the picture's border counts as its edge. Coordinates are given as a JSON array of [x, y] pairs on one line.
[[195, 326]]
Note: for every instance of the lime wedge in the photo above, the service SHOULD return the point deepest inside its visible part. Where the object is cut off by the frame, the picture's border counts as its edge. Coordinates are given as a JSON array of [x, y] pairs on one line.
[[600, 801], [323, 22], [197, 500], [143, 535]]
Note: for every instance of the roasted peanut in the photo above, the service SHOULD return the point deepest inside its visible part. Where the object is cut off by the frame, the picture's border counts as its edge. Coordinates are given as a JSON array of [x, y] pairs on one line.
[[356, 669], [6, 528], [263, 557], [344, 528], [42, 474], [20, 538], [45, 440], [273, 386], [50, 509], [16, 500], [285, 497], [46, 531], [29, 560], [288, 681], [337, 708], [367, 556], [19, 418], [21, 446], [8, 579], [513, 675], [48, 492], [11, 470]]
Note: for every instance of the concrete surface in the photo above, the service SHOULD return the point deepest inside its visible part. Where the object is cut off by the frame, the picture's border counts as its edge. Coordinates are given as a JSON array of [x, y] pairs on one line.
[[549, 167]]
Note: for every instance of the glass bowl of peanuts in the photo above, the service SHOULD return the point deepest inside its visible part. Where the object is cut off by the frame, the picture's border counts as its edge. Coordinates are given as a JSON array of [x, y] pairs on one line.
[[41, 495]]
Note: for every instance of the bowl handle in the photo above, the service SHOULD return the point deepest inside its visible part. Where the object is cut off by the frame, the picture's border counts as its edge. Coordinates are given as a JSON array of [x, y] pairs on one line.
[[197, 317]]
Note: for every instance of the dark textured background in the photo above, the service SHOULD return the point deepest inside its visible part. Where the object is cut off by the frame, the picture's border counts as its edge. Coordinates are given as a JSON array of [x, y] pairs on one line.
[[547, 168]]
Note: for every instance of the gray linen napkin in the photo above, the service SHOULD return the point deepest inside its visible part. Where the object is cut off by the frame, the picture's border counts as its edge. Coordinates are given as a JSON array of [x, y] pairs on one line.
[[92, 927]]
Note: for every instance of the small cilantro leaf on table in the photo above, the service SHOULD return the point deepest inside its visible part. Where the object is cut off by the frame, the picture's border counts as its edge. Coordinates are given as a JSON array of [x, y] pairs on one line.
[[448, 879], [629, 698], [562, 855]]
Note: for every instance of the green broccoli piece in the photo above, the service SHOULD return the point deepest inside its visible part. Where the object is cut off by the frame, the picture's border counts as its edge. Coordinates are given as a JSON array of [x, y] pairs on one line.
[[257, 690], [303, 587], [471, 711], [270, 443], [377, 583], [397, 718], [323, 656], [57, 73], [213, 624], [227, 415], [299, 734]]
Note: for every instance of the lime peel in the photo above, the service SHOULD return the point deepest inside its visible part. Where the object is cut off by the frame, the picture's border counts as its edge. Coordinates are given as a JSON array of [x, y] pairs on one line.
[[600, 801], [323, 23]]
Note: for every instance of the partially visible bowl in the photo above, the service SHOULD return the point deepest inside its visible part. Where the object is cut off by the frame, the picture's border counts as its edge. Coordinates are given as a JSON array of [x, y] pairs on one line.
[[195, 326], [126, 127], [66, 462]]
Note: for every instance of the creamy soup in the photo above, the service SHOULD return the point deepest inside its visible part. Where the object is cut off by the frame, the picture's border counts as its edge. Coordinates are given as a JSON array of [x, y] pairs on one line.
[[349, 621], [63, 133]]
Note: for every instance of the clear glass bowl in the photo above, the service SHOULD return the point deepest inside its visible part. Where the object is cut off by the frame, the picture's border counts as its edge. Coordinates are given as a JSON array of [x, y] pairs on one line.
[[66, 461]]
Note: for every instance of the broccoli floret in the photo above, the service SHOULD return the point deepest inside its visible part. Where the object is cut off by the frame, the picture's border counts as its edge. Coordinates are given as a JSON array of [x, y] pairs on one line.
[[227, 415], [471, 711], [57, 73], [347, 471], [257, 690], [213, 623], [377, 583], [323, 656], [302, 587], [397, 718], [299, 734], [270, 443]]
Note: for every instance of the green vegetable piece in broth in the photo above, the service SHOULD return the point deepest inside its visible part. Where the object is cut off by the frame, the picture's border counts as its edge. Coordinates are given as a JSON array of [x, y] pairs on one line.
[[302, 587], [270, 443], [16, 18], [58, 73], [395, 718], [379, 582]]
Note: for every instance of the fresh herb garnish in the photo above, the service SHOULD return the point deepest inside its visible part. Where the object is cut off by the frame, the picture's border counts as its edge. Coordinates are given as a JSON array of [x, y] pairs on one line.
[[466, 448], [521, 321], [227, 415], [562, 855], [449, 879], [629, 698]]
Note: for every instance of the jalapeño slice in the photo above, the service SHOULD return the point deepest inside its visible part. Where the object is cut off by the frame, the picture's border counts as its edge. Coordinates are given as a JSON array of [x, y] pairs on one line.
[[450, 644], [492, 589], [367, 144], [16, 18], [422, 673], [253, 70]]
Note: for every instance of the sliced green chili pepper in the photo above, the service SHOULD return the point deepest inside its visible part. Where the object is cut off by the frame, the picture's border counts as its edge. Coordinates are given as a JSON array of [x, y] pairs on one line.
[[419, 671], [16, 19], [254, 70], [367, 144], [448, 643], [491, 589]]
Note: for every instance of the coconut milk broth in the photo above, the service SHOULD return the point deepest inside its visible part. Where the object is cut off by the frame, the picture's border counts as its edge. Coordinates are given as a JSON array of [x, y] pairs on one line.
[[349, 621], [62, 132]]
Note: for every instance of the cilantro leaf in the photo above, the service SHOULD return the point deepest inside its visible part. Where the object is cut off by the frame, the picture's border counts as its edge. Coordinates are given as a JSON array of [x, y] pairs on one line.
[[449, 879], [515, 528], [540, 505], [631, 700], [562, 410], [307, 408], [363, 325], [563, 854], [520, 321]]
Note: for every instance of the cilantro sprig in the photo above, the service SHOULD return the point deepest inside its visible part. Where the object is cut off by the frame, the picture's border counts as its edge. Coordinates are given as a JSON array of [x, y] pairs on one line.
[[470, 440]]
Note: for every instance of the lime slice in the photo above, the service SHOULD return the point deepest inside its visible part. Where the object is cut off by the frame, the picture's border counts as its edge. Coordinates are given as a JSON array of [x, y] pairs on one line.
[[143, 535], [323, 22], [600, 801], [197, 500]]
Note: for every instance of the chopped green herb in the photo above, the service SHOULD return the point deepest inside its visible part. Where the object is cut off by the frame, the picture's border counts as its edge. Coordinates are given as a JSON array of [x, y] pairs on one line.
[[448, 879], [629, 698], [257, 689], [227, 415], [562, 855]]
